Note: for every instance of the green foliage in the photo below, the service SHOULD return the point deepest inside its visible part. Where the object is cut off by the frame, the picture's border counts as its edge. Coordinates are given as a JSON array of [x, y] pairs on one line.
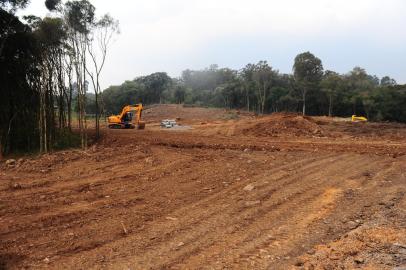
[[179, 91], [37, 59], [387, 81], [52, 5], [66, 139], [18, 66], [13, 5], [308, 72], [51, 32], [80, 15], [307, 68], [387, 103], [147, 89]]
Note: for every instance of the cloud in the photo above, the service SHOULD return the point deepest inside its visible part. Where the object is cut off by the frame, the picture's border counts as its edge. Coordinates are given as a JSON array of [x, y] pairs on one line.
[[162, 35]]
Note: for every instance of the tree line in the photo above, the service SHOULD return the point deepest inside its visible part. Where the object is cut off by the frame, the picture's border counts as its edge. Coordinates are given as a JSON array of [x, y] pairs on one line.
[[261, 88], [46, 66]]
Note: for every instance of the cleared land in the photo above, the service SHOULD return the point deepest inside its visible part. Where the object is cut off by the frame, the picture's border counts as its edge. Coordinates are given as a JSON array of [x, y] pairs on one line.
[[235, 191]]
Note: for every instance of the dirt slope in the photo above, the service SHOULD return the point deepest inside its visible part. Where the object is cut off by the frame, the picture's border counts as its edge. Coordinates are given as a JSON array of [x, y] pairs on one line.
[[187, 200], [156, 113], [281, 124]]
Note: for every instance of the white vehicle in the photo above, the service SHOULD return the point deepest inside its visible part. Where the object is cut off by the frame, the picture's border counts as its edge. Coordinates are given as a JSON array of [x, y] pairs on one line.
[[168, 123]]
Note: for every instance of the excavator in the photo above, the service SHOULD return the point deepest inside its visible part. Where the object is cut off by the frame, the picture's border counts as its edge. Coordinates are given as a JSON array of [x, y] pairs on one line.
[[130, 117], [355, 118]]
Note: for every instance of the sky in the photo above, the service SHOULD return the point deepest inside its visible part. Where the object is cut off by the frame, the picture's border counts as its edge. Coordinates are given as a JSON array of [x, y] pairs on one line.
[[174, 35]]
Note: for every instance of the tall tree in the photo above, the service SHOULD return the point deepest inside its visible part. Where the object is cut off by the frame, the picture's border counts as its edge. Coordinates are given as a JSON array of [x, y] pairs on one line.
[[331, 84], [99, 40], [155, 84], [249, 85], [7, 19], [50, 34], [18, 70], [80, 16], [386, 81], [262, 77], [308, 71]]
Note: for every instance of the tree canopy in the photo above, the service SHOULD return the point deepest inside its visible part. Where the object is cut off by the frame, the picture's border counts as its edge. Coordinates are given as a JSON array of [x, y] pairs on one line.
[[44, 73]]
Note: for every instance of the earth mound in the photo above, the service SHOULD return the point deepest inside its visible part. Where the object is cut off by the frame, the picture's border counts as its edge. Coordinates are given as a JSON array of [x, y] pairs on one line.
[[282, 124]]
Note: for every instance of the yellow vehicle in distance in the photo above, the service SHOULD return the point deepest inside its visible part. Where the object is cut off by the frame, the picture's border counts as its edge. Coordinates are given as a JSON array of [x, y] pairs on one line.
[[355, 118]]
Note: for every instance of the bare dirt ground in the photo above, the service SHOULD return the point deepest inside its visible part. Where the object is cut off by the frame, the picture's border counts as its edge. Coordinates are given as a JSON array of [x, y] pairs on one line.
[[234, 192]]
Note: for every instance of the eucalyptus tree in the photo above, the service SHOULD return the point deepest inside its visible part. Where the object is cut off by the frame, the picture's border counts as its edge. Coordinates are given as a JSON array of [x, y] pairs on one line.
[[9, 7], [99, 39], [18, 69], [359, 84], [50, 34], [262, 76], [247, 75], [331, 83], [80, 18]]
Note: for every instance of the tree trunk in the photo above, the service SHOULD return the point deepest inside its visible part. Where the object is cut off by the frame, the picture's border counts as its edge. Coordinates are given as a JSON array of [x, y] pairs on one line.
[[97, 116], [304, 102], [330, 106], [84, 97], [263, 99], [248, 99], [44, 118], [40, 126]]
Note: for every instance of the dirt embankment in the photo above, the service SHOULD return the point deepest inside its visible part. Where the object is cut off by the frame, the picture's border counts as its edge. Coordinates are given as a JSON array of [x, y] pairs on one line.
[[290, 125], [279, 124], [185, 114], [274, 125]]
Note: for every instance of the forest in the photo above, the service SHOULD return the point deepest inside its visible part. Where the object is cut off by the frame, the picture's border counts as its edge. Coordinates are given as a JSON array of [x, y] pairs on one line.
[[261, 88], [50, 71], [47, 66]]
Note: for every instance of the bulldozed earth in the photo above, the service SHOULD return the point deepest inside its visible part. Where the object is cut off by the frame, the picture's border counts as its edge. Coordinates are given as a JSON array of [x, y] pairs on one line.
[[232, 191]]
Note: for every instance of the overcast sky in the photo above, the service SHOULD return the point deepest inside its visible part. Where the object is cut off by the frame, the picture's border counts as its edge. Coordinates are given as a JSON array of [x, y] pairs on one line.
[[173, 35]]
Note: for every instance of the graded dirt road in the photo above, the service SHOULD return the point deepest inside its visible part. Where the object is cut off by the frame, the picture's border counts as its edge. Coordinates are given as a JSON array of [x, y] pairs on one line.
[[233, 192]]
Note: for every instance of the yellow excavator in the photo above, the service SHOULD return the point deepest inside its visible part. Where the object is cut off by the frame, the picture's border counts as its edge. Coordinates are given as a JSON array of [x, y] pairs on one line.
[[130, 117], [355, 118]]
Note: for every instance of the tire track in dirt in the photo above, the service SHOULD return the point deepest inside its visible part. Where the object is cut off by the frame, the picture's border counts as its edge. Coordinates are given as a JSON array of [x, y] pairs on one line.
[[59, 216], [320, 203], [242, 184], [145, 195], [183, 226], [262, 212], [194, 140]]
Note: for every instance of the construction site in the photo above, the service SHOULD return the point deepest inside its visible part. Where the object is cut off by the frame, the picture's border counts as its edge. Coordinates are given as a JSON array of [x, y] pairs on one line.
[[223, 189]]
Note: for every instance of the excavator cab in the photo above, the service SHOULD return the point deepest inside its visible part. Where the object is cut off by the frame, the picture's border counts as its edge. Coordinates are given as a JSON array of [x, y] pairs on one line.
[[127, 120], [130, 117]]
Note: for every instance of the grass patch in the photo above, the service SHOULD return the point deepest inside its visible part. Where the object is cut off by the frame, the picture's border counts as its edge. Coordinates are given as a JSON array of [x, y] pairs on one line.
[[66, 139], [231, 116]]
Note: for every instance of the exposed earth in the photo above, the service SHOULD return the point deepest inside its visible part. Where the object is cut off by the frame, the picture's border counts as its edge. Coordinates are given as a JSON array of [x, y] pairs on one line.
[[233, 191]]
